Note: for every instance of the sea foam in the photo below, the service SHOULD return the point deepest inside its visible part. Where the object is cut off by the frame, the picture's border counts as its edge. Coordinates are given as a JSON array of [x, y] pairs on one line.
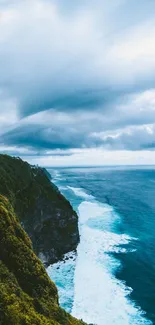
[[99, 297], [62, 273], [87, 284], [80, 192]]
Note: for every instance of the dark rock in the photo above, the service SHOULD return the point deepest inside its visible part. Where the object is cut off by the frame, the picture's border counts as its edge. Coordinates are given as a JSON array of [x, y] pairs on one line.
[[44, 212], [47, 173]]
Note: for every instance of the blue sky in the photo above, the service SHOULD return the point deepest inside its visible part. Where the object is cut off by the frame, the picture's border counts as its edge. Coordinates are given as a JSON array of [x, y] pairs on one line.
[[77, 81]]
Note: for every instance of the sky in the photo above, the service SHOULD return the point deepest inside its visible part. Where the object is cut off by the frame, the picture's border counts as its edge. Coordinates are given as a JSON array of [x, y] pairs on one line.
[[77, 81]]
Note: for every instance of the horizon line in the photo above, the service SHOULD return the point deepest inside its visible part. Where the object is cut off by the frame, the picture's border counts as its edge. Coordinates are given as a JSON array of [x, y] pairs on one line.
[[101, 166]]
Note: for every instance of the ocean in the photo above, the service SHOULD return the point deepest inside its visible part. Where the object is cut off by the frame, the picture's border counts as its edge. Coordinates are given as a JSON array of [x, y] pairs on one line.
[[111, 280]]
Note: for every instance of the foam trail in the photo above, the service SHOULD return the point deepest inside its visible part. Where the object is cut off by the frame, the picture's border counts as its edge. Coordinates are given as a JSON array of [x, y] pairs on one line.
[[62, 273], [56, 176], [79, 192], [99, 297], [88, 287]]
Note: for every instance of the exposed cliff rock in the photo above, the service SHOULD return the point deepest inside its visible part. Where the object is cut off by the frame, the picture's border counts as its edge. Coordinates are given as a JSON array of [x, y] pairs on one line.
[[27, 295], [45, 214]]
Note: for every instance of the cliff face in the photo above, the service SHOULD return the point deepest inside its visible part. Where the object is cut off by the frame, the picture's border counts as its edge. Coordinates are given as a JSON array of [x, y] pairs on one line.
[[45, 214], [27, 295]]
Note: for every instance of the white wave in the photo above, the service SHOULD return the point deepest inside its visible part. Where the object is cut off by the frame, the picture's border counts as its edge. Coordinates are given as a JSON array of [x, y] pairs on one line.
[[90, 210], [62, 188], [88, 286], [99, 297], [62, 273], [80, 192], [56, 175]]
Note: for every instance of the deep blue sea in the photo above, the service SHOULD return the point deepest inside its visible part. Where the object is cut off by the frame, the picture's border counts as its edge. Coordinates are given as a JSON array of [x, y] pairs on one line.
[[111, 280]]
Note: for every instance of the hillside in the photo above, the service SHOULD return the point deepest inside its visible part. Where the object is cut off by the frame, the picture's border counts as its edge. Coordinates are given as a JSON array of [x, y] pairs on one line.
[[43, 211], [27, 295]]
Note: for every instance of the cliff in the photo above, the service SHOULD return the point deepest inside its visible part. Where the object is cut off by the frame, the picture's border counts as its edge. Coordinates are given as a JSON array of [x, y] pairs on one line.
[[43, 211], [27, 295]]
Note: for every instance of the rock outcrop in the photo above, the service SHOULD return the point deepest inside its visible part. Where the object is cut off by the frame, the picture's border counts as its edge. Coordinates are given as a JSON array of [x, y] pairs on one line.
[[43, 211]]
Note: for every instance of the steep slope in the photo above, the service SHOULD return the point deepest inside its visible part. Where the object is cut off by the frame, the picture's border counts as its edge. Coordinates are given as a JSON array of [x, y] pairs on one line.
[[27, 295], [45, 214]]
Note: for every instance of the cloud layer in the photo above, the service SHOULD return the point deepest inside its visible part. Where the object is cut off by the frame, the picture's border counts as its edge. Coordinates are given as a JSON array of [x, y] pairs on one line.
[[77, 75]]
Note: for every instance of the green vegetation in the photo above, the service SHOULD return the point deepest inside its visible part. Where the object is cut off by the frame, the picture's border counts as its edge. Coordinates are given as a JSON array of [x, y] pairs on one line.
[[27, 295], [43, 211], [29, 199], [23, 184]]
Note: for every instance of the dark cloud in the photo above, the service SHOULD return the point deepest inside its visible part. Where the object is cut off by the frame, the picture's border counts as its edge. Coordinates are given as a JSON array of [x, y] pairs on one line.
[[52, 130], [90, 64], [75, 100], [55, 59], [43, 138]]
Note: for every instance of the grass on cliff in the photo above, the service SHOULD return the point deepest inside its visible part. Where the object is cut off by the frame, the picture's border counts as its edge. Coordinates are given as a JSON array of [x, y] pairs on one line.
[[23, 184], [37, 202], [27, 295]]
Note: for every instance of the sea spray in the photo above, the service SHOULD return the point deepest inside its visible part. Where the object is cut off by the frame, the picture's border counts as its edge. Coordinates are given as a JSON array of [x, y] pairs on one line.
[[62, 273]]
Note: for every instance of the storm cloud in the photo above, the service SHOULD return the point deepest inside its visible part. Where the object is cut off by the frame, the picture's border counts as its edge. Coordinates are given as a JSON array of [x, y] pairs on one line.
[[77, 75]]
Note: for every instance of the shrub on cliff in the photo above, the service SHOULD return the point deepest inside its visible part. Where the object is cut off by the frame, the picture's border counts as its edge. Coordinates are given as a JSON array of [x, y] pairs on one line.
[[45, 214], [27, 295]]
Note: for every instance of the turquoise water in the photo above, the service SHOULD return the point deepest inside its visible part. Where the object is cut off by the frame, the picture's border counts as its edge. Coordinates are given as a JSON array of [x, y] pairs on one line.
[[112, 278]]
